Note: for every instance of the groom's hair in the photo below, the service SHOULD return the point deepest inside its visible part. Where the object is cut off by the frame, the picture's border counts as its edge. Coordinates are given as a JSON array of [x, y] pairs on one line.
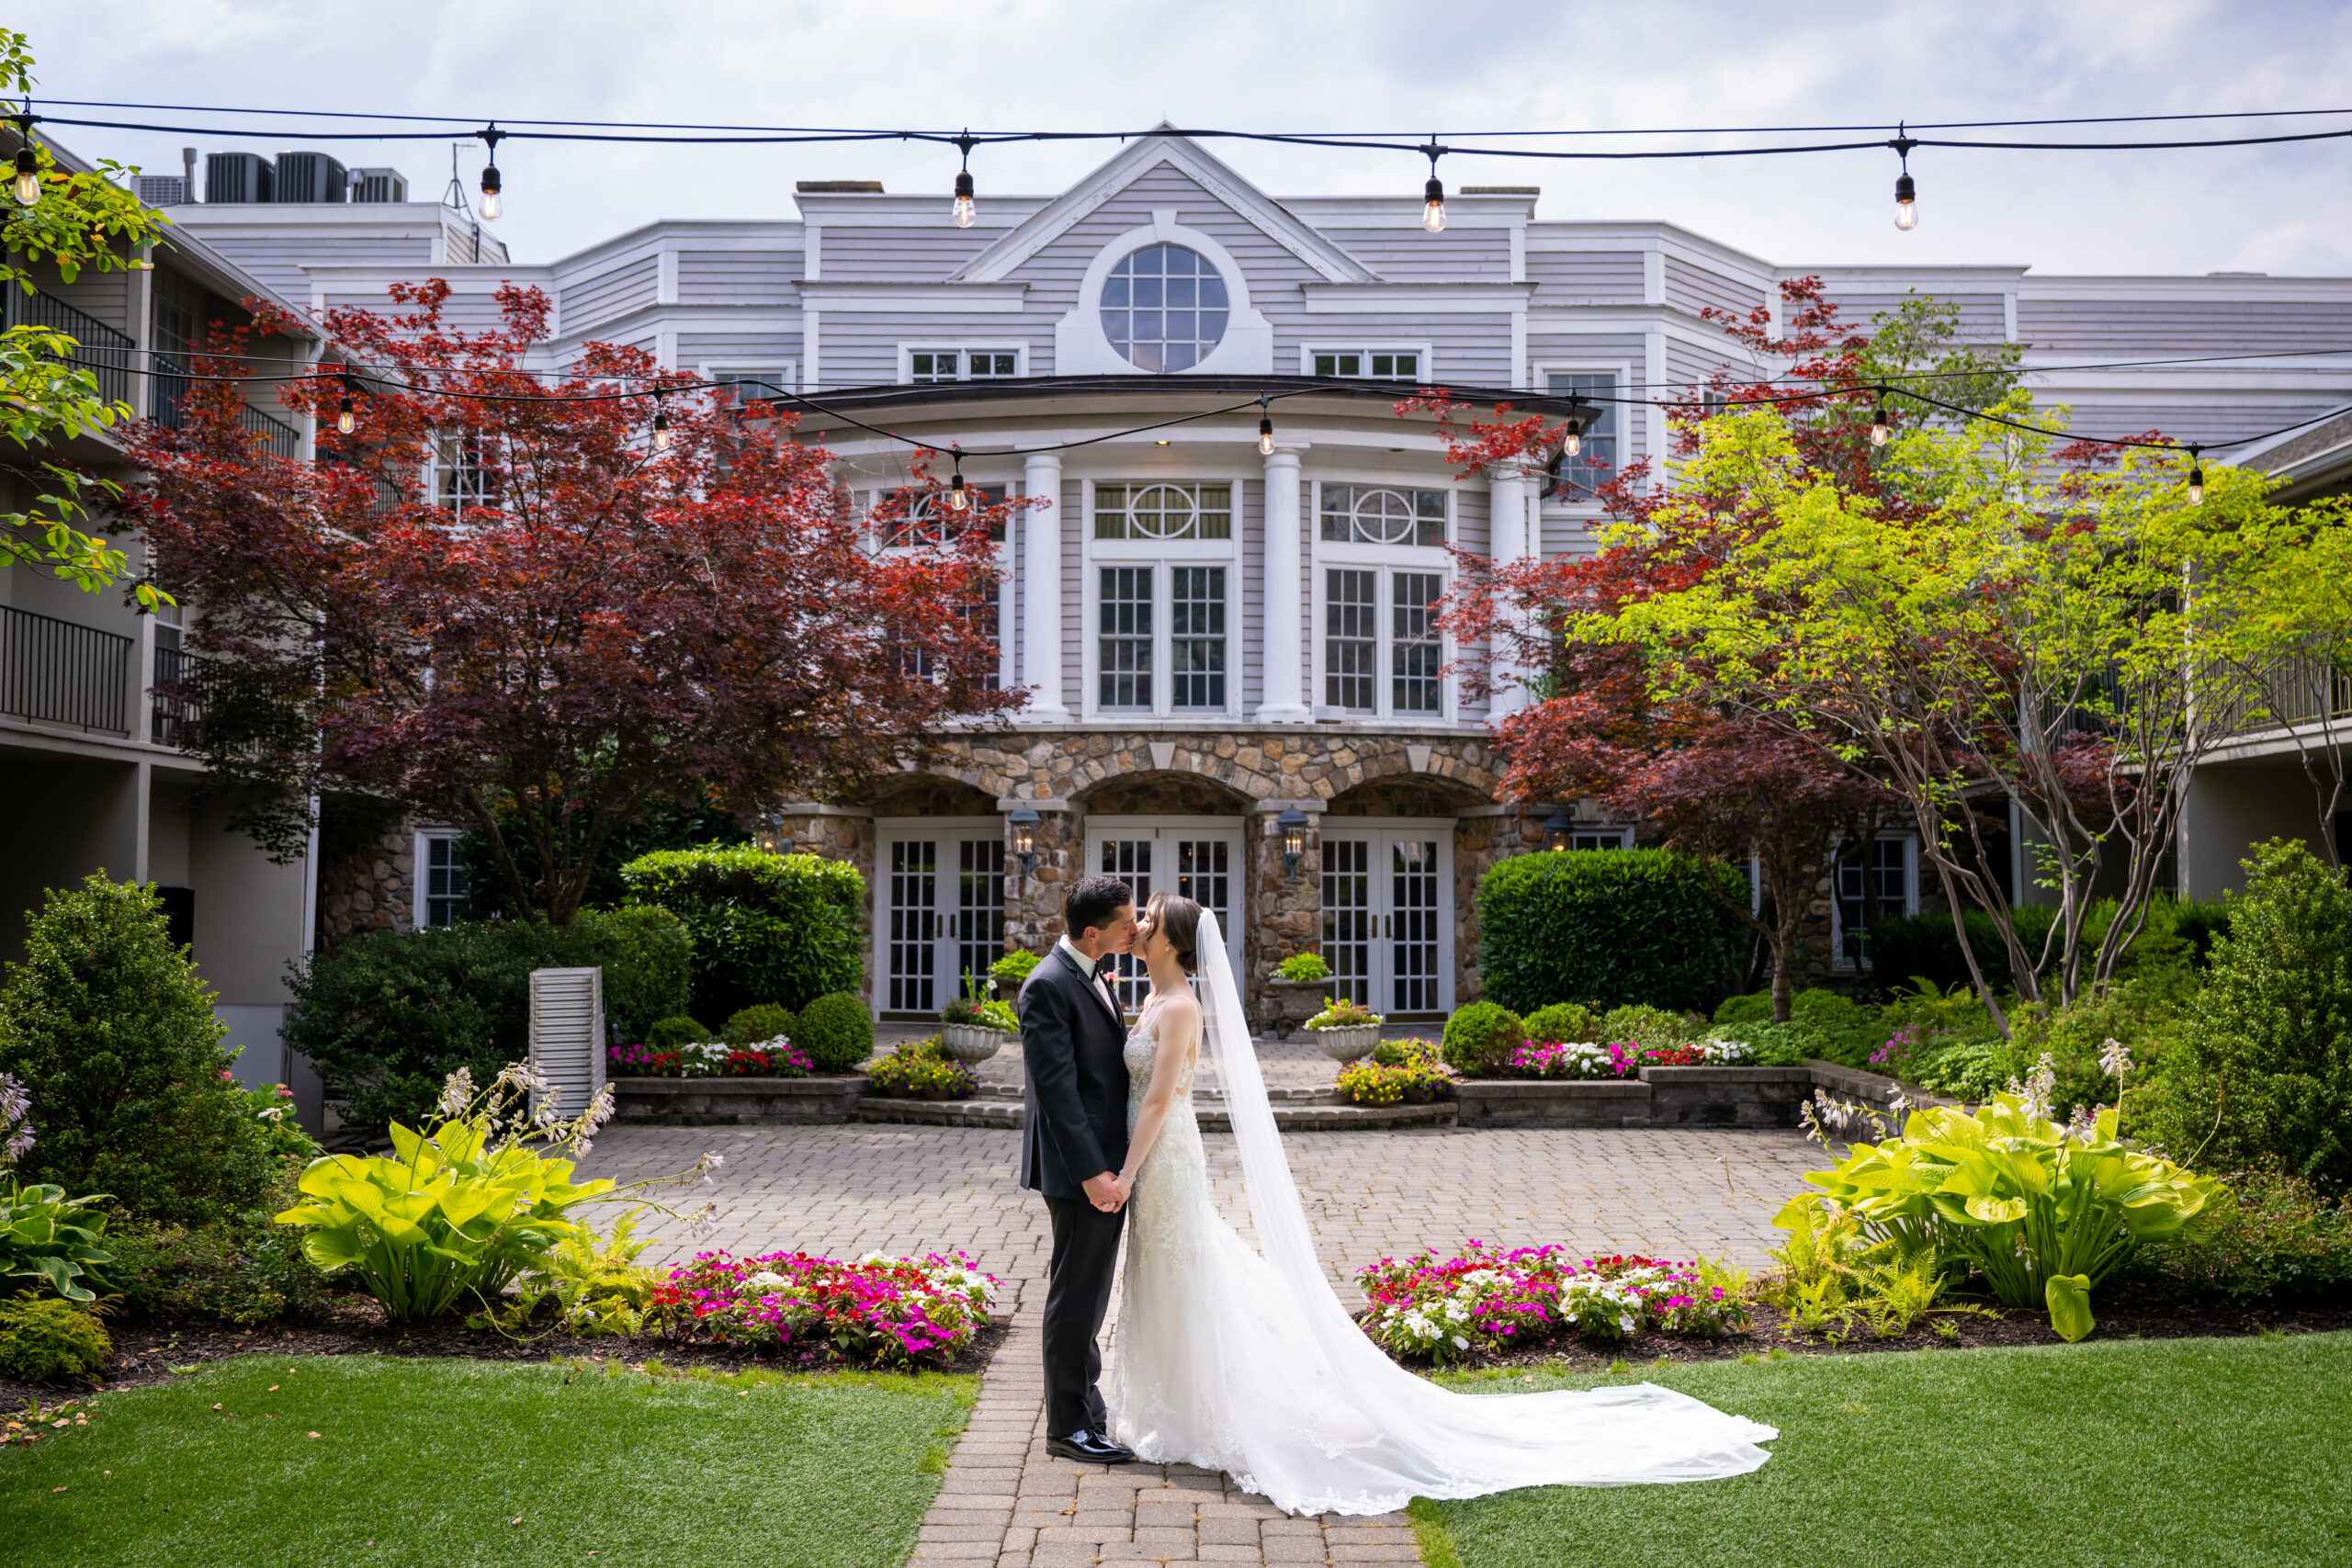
[[1094, 902]]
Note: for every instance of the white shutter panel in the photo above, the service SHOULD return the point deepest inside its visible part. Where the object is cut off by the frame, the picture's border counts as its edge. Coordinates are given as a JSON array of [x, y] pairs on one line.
[[568, 1033]]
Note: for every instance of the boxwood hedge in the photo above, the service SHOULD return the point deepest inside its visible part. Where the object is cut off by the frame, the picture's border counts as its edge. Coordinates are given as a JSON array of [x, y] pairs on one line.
[[1603, 927]]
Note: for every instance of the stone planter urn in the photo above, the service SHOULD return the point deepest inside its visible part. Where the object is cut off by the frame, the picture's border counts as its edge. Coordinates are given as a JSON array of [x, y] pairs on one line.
[[1290, 1003], [968, 1042], [1351, 1044]]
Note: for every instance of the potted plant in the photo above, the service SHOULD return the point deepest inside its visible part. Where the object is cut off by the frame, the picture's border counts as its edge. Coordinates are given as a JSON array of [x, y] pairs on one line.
[[973, 1029], [1295, 992], [1346, 1031], [1007, 973]]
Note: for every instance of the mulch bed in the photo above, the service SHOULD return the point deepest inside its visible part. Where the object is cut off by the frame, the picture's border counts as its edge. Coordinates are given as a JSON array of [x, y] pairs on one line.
[[2126, 1312], [147, 1349]]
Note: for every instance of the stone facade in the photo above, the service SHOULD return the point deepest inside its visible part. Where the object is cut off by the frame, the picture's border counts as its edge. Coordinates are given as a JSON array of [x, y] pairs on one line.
[[369, 887]]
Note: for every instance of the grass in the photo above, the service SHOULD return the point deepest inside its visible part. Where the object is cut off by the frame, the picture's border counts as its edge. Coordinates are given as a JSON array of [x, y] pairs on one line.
[[2150, 1452], [329, 1460]]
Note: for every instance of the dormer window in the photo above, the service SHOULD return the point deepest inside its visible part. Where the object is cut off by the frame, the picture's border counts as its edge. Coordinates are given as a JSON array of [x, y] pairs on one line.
[[1165, 308]]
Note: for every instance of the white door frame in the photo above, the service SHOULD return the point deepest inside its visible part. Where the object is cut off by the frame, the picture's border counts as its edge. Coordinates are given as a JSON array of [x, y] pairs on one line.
[[947, 831], [1168, 830], [1382, 832]]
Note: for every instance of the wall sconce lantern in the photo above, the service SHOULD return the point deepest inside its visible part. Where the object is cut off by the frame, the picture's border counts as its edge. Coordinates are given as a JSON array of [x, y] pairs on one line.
[[1555, 831], [1293, 822], [1024, 822], [770, 836]]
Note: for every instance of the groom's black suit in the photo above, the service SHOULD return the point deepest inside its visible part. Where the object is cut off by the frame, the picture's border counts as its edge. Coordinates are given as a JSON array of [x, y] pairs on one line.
[[1073, 1048]]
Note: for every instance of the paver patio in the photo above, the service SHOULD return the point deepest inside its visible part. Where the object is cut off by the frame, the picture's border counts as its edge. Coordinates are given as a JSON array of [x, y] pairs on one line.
[[848, 1191]]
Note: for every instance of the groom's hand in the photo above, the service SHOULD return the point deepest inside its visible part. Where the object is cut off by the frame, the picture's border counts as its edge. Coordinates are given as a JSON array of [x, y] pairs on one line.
[[1102, 1191]]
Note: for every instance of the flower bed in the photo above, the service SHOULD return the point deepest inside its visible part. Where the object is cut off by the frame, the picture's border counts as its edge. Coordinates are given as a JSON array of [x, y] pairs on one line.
[[1620, 1059], [777, 1058], [884, 1311], [1485, 1300], [1416, 1080], [920, 1070]]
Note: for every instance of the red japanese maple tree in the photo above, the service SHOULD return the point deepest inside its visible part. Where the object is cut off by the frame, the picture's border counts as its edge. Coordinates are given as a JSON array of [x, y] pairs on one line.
[[538, 601]]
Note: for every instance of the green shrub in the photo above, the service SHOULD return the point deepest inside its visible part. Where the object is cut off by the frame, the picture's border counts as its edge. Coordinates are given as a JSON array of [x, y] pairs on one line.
[[1959, 1011], [49, 1240], [765, 1021], [837, 1032], [109, 1032], [1974, 1070], [668, 1033], [2275, 1237], [1407, 1053], [1480, 1038], [1793, 1044], [1653, 1029], [1015, 967], [2144, 1010], [1614, 925], [44, 1338], [1814, 1005], [388, 1016], [1907, 948], [1302, 967], [246, 1268], [1562, 1022], [2262, 1066], [766, 926]]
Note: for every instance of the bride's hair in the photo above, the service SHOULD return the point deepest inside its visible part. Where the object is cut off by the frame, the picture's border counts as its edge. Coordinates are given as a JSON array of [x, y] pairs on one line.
[[1178, 920]]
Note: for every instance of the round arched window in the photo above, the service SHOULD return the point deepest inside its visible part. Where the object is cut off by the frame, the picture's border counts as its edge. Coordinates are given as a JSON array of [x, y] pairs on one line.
[[1164, 308]]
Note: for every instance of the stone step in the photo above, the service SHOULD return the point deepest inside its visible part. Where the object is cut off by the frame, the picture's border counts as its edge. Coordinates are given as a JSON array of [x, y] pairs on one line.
[[1328, 1115]]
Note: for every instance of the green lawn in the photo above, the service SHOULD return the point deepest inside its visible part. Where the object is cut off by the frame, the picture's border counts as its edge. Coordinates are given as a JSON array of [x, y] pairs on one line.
[[443, 1464], [2145, 1452]]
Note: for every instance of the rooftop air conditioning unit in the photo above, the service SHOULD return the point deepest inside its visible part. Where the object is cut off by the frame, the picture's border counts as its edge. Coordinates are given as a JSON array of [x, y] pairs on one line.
[[378, 185], [162, 190], [311, 177], [239, 176]]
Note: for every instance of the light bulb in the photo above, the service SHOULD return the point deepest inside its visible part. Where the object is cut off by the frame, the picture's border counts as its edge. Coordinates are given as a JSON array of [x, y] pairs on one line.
[[344, 419], [1907, 203], [1266, 435], [963, 210], [28, 177], [957, 500], [1880, 430], [494, 201], [662, 430], [1433, 205], [1572, 443], [2196, 487]]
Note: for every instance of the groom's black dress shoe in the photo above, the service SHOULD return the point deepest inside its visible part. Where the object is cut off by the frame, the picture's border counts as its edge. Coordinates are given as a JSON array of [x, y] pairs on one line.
[[1089, 1447]]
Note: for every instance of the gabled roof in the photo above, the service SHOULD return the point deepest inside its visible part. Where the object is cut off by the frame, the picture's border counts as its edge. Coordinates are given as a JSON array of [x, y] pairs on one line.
[[1163, 146]]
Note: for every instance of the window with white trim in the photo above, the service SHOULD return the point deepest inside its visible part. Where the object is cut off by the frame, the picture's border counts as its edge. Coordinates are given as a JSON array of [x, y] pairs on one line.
[[1595, 463], [1598, 838], [1883, 871], [1163, 512], [1164, 583], [1383, 653], [1124, 647], [1384, 514], [444, 890], [1373, 364], [750, 384], [1196, 637], [461, 477], [932, 366], [928, 523], [1164, 308]]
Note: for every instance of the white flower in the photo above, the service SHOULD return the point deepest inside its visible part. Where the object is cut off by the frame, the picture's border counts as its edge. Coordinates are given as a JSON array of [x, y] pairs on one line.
[[456, 1090], [766, 1279], [2115, 1058], [1460, 1343]]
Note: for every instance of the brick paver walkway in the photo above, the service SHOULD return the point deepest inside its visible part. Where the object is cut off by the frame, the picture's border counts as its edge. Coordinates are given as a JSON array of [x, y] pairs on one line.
[[848, 1191]]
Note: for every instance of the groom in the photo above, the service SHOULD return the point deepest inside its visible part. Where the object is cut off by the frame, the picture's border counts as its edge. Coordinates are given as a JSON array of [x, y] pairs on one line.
[[1073, 1140]]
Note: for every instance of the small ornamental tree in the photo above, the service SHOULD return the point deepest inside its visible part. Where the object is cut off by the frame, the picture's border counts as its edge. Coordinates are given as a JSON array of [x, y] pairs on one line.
[[535, 604]]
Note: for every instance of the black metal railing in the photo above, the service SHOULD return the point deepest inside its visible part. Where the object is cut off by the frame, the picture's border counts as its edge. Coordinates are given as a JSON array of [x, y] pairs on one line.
[[171, 712], [281, 437], [63, 673], [2295, 692], [102, 351], [168, 384]]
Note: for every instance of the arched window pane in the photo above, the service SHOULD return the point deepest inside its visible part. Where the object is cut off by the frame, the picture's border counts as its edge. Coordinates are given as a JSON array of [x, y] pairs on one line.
[[1165, 308]]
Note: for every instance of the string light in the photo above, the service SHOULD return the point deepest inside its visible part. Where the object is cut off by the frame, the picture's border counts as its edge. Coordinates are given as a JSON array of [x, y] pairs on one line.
[[1880, 429], [660, 424], [1906, 194], [1265, 426], [963, 210], [345, 420], [957, 499], [2196, 477], [27, 190], [1433, 193], [493, 199]]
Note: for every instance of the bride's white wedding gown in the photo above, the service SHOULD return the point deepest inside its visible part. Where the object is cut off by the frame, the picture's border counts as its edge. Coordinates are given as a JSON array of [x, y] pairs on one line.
[[1250, 1365]]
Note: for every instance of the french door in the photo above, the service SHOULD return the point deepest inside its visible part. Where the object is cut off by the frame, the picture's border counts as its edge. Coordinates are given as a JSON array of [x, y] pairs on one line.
[[1196, 857], [1388, 915], [940, 909]]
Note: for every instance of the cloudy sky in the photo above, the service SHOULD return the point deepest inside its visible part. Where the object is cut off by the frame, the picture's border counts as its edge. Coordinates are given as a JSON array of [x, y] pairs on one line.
[[1306, 65]]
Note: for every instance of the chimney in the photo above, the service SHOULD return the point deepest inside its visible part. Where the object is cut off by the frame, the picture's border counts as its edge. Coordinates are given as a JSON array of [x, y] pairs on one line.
[[188, 170]]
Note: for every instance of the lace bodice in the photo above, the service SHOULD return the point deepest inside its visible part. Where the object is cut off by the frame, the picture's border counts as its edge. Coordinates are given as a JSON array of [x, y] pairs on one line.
[[1179, 1143]]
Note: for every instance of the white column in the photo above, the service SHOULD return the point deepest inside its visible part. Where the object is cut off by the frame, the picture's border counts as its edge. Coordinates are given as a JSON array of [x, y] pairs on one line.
[[1506, 517], [1041, 589], [1285, 694]]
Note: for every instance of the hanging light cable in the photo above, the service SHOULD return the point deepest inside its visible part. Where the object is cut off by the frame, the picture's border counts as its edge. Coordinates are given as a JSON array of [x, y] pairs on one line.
[[1433, 193], [1880, 429], [963, 210], [661, 424], [1265, 426], [345, 420], [2196, 477], [1906, 194], [958, 499], [493, 199], [27, 189]]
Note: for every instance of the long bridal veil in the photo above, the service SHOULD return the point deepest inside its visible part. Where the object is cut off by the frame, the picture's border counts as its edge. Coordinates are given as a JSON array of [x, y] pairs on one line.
[[1399, 1436]]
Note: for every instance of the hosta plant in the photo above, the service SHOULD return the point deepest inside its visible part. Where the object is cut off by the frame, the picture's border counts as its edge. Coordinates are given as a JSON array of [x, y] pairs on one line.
[[460, 1209], [2020, 1199], [49, 1239]]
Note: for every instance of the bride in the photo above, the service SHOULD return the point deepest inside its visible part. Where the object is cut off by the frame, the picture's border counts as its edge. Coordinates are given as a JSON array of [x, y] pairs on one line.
[[1248, 1364]]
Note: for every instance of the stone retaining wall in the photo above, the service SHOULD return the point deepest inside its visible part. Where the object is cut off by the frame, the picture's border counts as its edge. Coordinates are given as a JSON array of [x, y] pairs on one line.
[[718, 1102]]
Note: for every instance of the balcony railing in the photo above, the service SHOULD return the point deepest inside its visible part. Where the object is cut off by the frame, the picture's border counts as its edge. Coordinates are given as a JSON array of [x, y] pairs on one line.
[[172, 712], [2298, 691], [103, 351], [63, 673], [169, 382]]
